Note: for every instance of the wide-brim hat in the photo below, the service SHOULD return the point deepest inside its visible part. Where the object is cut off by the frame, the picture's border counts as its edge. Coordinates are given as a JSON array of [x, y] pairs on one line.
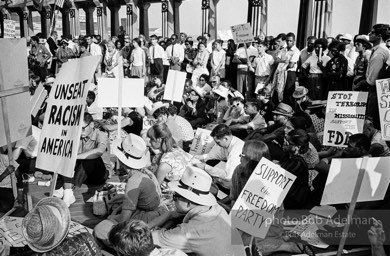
[[299, 92], [221, 91], [347, 37], [131, 151], [195, 186], [364, 39], [64, 41], [317, 104], [46, 225], [284, 110], [157, 105]]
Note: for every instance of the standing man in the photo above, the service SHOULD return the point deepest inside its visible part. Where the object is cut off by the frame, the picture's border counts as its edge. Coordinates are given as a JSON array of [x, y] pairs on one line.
[[288, 58], [157, 54], [380, 56], [38, 57], [95, 50], [183, 39], [175, 54], [52, 42]]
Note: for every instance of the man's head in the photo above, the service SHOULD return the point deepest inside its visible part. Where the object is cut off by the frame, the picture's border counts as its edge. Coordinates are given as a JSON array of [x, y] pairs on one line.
[[379, 33], [346, 39], [368, 128], [290, 40], [161, 114], [153, 39], [311, 43], [261, 47], [120, 28], [90, 97], [251, 108], [188, 86], [206, 36], [183, 37], [54, 34], [132, 238], [34, 40], [173, 38], [89, 39], [222, 135], [362, 43], [280, 40], [218, 44], [188, 44], [358, 146], [87, 125], [282, 113]]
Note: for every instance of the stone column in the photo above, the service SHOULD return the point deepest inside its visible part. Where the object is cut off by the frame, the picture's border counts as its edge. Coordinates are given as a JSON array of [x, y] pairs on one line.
[[305, 22], [45, 20], [23, 20], [164, 19], [89, 27], [170, 18], [144, 19], [176, 15], [368, 18], [212, 20], [65, 21], [114, 19]]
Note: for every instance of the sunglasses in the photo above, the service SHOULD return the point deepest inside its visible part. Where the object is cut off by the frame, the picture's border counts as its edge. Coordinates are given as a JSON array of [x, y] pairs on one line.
[[236, 105]]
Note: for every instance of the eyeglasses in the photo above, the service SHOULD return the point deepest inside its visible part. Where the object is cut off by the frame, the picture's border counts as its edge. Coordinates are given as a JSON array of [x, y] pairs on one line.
[[242, 155], [85, 127], [176, 196], [202, 80], [236, 105]]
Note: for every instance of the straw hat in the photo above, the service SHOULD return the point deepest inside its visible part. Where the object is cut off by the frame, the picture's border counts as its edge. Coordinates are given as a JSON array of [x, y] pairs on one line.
[[46, 225], [195, 186], [347, 37], [365, 40], [221, 91], [284, 110], [299, 92], [131, 151], [157, 105]]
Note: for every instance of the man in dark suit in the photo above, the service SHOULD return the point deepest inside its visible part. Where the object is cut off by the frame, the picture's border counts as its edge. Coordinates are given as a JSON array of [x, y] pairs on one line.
[[52, 42]]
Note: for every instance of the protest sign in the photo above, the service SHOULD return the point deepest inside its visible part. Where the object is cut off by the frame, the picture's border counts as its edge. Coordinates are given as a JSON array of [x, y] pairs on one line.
[[14, 77], [9, 28], [175, 85], [132, 92], [202, 142], [343, 175], [345, 113], [383, 91], [260, 198], [242, 33], [60, 137]]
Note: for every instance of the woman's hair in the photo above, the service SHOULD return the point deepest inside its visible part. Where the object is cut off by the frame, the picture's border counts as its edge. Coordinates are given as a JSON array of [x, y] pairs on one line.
[[161, 131], [132, 238], [253, 151], [119, 41], [206, 77], [200, 44], [111, 43], [138, 41], [299, 138], [190, 42], [323, 42]]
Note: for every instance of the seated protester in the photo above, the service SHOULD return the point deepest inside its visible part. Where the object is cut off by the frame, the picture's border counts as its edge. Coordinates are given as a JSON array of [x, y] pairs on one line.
[[227, 148], [7, 199], [254, 121], [317, 111], [206, 227], [215, 81], [187, 90], [92, 106], [134, 238], [298, 197], [180, 128], [298, 122], [132, 122], [156, 90], [233, 93], [376, 137], [194, 110], [235, 111], [300, 104], [266, 104], [220, 103], [90, 168], [173, 161], [300, 142], [202, 87], [142, 200]]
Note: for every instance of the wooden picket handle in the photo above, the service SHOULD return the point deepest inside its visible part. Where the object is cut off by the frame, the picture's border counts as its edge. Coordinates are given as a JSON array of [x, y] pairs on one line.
[[352, 206]]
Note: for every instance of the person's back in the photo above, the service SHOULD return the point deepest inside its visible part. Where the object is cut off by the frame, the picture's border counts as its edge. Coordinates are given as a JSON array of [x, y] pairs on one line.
[[207, 230]]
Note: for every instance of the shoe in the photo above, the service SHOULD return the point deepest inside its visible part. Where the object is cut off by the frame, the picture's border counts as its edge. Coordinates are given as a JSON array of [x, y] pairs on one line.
[[44, 184], [59, 193], [69, 197]]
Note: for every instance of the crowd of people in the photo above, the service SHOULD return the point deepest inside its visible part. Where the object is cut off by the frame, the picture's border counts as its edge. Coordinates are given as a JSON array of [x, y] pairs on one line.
[[263, 99]]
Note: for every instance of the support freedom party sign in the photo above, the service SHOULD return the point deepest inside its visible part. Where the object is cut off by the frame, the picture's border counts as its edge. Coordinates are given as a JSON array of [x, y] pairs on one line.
[[60, 137], [261, 198]]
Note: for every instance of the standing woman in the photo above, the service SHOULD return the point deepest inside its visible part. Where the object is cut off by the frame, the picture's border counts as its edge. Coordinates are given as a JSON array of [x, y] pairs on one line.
[[336, 69], [119, 45], [64, 53], [137, 60], [111, 60], [200, 62], [189, 56]]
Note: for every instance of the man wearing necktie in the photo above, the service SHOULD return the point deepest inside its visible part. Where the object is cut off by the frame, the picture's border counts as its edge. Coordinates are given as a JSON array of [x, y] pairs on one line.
[[156, 53], [175, 54]]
